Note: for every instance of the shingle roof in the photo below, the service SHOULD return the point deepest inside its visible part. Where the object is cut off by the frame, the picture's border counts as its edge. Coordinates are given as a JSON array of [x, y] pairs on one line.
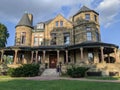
[[24, 21], [84, 9]]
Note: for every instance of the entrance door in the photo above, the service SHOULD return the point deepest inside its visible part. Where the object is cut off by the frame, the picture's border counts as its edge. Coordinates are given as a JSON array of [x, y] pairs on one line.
[[53, 61]]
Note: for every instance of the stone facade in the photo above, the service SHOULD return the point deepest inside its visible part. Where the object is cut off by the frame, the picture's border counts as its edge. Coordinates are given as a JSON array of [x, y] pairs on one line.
[[61, 41]]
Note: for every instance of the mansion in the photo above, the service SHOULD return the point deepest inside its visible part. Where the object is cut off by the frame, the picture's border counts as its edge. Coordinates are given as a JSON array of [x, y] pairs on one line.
[[59, 40]]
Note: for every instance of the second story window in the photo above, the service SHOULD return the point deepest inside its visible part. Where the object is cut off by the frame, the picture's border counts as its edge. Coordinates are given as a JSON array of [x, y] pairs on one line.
[[56, 23], [66, 38], [23, 37], [40, 41], [87, 16], [53, 40], [35, 41], [61, 23], [89, 36]]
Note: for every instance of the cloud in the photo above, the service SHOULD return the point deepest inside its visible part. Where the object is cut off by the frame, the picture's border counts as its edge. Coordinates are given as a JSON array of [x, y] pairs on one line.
[[12, 10], [108, 10]]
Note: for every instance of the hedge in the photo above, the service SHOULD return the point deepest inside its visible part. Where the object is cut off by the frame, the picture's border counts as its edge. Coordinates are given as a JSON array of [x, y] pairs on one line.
[[26, 70]]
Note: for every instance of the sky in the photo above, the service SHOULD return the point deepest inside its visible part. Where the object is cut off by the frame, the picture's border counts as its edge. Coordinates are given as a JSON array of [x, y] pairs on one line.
[[11, 12]]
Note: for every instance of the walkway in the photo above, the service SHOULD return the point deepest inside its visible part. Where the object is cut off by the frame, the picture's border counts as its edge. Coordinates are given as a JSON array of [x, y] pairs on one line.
[[67, 78]]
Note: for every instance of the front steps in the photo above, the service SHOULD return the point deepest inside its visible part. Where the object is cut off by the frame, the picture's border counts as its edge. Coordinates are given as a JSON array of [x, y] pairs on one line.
[[50, 73]]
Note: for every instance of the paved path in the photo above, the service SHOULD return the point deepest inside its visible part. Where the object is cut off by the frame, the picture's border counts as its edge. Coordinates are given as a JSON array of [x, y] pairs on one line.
[[67, 78]]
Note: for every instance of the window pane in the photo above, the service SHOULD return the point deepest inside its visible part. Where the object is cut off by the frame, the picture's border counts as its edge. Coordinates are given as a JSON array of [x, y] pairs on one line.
[[61, 23], [40, 41], [35, 41], [23, 36], [90, 57], [89, 36], [87, 16], [88, 28], [95, 17], [66, 38], [56, 23]]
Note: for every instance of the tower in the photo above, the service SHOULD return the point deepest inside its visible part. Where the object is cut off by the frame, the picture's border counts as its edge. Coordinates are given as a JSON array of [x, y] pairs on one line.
[[24, 30], [86, 26]]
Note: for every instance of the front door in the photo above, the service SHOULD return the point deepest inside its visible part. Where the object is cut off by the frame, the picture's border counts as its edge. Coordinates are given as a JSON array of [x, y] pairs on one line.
[[53, 61]]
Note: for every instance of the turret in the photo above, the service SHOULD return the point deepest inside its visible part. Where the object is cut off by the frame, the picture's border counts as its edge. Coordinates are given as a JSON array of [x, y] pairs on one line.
[[86, 26], [24, 30]]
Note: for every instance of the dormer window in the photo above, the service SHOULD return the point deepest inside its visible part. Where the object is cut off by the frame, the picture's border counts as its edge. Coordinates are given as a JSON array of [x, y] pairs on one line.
[[40, 26], [87, 16]]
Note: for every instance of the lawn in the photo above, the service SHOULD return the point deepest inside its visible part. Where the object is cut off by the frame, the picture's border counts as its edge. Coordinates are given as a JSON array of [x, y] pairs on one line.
[[22, 84]]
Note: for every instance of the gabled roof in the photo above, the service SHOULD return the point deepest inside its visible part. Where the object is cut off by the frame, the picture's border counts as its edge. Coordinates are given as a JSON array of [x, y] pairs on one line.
[[25, 21], [84, 9]]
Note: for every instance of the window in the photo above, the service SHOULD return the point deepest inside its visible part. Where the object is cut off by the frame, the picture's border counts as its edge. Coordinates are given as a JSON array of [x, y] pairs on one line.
[[56, 23], [90, 57], [95, 17], [97, 36], [61, 23], [23, 36], [40, 41], [88, 28], [87, 16], [35, 41], [89, 36], [66, 38], [53, 40]]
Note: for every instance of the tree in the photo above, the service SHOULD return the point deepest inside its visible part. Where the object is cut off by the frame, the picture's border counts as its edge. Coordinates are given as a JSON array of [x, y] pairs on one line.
[[3, 35]]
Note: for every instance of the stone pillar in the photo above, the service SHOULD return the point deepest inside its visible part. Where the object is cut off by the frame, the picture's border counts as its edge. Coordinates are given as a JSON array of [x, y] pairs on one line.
[[108, 58], [81, 53], [58, 55], [115, 53], [44, 56], [66, 56], [2, 54], [32, 53], [102, 54], [15, 57], [36, 57]]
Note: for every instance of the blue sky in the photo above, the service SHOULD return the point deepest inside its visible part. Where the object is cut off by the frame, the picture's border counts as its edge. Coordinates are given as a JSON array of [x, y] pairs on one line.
[[12, 10]]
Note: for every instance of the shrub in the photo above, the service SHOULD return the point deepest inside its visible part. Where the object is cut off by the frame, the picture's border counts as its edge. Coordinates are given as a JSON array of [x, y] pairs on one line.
[[3, 69], [76, 72], [27, 70]]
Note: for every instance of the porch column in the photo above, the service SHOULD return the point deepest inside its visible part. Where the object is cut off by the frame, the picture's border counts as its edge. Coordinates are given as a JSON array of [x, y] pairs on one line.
[[36, 58], [81, 53], [66, 56], [108, 58], [32, 56], [44, 56], [102, 55], [115, 53], [2, 54], [15, 57], [58, 56]]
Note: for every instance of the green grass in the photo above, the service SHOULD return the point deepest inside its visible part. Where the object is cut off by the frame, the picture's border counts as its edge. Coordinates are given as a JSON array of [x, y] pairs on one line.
[[22, 84]]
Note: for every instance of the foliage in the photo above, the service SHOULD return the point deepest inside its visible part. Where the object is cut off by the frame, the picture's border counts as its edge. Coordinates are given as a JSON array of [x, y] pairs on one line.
[[76, 72], [3, 35], [3, 69], [27, 70]]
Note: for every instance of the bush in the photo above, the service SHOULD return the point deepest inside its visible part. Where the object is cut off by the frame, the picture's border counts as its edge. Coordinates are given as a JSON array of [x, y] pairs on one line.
[[76, 72], [27, 70], [3, 69]]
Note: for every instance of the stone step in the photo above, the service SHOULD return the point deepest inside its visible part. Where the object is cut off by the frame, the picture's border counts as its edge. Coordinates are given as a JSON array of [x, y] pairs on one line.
[[50, 72]]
